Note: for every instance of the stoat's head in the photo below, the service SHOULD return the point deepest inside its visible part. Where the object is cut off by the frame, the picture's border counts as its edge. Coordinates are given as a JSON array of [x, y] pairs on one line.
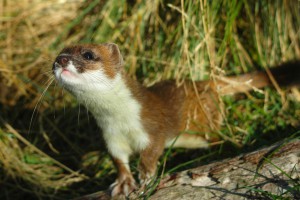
[[86, 67]]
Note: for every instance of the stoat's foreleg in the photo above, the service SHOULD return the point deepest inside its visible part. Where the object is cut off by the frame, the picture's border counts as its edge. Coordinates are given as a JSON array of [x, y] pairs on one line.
[[125, 182], [149, 159]]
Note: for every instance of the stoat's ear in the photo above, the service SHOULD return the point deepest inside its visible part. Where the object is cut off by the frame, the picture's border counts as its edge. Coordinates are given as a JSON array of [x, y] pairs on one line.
[[115, 54]]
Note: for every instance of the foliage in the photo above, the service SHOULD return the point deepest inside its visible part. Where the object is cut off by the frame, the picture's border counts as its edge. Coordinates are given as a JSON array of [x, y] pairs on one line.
[[159, 40]]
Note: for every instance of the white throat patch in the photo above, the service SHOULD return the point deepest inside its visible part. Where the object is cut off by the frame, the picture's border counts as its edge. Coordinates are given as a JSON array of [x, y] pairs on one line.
[[111, 102]]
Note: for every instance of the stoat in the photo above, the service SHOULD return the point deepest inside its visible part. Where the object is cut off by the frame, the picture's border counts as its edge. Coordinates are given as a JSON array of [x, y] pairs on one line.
[[136, 119]]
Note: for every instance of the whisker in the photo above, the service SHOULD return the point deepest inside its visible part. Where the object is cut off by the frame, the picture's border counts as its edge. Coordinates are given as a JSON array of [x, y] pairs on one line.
[[87, 111], [55, 87], [48, 72], [97, 78], [37, 106], [47, 80], [64, 102], [78, 116]]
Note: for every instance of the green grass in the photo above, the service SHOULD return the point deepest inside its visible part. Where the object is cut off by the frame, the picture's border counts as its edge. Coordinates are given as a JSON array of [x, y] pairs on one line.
[[288, 184], [196, 40]]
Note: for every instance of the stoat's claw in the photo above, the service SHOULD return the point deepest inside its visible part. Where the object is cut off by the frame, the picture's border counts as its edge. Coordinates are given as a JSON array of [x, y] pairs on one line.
[[122, 187], [146, 179]]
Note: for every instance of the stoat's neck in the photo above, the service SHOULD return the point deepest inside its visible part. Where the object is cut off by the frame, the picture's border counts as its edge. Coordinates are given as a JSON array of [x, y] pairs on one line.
[[115, 101], [118, 113]]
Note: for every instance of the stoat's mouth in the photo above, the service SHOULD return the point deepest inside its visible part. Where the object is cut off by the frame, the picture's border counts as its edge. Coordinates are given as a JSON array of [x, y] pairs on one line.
[[69, 70], [68, 73]]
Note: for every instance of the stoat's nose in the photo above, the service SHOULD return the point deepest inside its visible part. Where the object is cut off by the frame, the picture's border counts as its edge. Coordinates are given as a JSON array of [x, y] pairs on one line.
[[62, 60]]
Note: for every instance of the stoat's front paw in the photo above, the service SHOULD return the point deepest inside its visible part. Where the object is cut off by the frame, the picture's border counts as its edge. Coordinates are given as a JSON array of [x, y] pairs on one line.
[[145, 178], [123, 186]]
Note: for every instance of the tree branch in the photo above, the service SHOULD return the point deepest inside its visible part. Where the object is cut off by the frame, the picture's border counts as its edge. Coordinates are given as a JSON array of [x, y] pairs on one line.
[[260, 174]]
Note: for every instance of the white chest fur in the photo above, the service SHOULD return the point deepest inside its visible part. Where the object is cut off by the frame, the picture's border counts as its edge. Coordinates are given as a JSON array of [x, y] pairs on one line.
[[113, 106], [118, 114]]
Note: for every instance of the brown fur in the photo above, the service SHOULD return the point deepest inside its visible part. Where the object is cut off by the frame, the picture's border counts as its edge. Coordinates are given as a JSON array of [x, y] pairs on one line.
[[107, 54], [168, 110], [286, 74], [124, 176]]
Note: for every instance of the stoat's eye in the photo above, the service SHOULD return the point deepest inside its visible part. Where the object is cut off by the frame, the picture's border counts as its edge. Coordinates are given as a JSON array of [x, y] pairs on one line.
[[88, 55]]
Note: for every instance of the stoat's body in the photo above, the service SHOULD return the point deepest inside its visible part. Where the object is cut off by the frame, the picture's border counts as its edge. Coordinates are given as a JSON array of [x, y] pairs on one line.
[[135, 119]]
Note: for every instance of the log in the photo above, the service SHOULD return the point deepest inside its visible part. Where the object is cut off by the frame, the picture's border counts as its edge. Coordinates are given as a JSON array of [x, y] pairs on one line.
[[260, 174]]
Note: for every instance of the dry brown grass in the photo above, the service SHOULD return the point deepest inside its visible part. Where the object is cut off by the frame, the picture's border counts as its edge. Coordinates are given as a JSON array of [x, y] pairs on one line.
[[28, 28], [32, 32], [19, 158]]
